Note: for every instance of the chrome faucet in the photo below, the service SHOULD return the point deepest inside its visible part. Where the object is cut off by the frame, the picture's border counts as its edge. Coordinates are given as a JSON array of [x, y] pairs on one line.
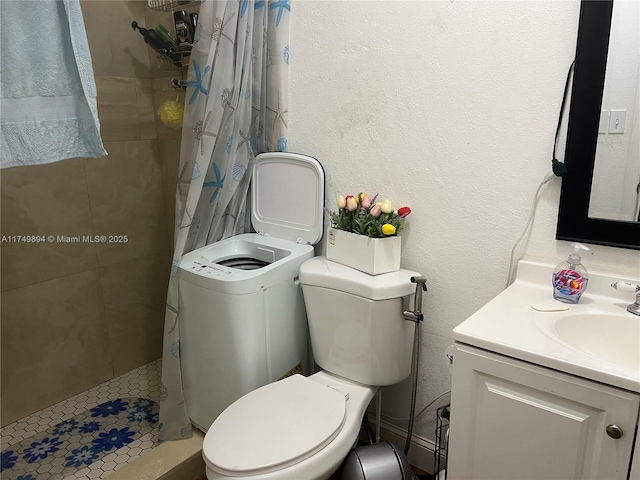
[[629, 287], [415, 315]]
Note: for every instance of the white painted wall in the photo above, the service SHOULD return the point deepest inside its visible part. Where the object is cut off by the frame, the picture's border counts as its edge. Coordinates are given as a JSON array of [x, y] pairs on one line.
[[449, 107]]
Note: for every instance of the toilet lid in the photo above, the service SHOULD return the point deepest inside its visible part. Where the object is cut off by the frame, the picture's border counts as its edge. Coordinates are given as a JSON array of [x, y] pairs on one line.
[[287, 197], [274, 427]]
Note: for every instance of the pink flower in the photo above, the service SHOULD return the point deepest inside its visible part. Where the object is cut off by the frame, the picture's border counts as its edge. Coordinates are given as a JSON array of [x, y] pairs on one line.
[[376, 210], [352, 204], [403, 212], [366, 201]]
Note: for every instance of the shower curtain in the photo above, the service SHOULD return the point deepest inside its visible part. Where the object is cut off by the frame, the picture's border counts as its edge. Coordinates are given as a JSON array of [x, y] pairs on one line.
[[235, 108]]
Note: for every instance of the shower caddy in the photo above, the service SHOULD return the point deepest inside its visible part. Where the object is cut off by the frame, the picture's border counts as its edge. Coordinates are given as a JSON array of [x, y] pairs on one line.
[[183, 50]]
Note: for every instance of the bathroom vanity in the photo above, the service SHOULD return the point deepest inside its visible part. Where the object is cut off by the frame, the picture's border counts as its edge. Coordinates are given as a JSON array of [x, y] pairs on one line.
[[547, 394]]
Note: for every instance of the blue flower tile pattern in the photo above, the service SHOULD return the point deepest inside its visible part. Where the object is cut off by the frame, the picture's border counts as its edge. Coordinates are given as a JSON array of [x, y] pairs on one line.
[[89, 427], [105, 409], [28, 476], [82, 456], [138, 416], [143, 403], [80, 441], [41, 450], [7, 460], [67, 426], [114, 438]]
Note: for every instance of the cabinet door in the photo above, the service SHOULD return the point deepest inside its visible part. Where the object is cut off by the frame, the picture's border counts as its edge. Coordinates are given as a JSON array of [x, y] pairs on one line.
[[513, 420], [635, 462]]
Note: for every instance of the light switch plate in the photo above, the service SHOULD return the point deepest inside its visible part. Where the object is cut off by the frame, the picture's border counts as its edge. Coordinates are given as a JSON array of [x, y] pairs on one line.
[[617, 121]]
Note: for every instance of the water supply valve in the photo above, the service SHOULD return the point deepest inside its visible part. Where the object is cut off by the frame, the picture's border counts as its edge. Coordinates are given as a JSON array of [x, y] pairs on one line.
[[415, 315], [631, 288]]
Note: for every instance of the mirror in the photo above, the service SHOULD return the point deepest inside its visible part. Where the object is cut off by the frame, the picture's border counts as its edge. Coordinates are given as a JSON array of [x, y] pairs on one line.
[[584, 143], [616, 172]]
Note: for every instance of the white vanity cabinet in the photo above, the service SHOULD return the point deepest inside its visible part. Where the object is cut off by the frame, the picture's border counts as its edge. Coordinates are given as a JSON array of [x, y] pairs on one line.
[[514, 420]]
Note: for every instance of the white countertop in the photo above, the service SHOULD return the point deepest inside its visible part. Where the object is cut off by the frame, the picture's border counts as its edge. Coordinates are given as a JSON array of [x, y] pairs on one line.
[[510, 326]]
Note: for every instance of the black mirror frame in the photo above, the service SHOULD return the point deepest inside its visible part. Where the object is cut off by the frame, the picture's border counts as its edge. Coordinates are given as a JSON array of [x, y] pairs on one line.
[[574, 223]]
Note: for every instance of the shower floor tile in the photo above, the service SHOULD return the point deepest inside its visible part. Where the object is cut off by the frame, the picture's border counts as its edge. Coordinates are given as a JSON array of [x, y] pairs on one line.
[[64, 417]]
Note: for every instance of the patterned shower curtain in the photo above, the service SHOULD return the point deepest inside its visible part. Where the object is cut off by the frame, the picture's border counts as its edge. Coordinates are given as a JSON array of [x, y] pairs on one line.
[[235, 108]]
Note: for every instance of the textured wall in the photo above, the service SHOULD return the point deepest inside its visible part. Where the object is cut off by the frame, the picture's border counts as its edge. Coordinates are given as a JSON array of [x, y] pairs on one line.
[[77, 314], [449, 107]]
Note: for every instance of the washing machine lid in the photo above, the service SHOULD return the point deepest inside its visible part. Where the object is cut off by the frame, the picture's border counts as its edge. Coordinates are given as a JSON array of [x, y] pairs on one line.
[[274, 427], [287, 197]]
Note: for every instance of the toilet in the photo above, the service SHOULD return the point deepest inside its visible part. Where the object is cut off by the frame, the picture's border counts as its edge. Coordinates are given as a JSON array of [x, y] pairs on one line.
[[303, 427]]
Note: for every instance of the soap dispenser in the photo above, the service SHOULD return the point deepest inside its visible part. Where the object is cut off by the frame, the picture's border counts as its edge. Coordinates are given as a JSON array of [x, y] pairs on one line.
[[570, 278], [155, 41]]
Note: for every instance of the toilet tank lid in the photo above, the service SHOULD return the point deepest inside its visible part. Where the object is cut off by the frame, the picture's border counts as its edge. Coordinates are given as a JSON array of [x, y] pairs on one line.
[[320, 272]]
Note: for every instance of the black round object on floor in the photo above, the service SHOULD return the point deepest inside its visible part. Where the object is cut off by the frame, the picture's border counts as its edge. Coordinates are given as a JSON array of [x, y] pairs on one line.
[[381, 461]]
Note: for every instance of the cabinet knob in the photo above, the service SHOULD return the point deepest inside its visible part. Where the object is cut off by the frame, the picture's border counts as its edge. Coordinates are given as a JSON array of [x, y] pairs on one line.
[[614, 431]]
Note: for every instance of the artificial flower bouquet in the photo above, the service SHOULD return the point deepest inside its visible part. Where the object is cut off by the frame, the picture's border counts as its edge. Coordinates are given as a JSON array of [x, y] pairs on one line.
[[364, 216]]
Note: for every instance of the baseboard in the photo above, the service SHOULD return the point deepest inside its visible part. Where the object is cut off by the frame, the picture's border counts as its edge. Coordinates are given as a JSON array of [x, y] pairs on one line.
[[420, 450]]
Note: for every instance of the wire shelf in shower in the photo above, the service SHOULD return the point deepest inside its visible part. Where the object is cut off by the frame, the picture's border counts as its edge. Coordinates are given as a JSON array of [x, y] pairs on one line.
[[174, 57], [171, 5]]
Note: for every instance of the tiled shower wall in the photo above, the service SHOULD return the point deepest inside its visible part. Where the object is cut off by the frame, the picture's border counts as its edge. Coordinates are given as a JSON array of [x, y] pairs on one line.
[[77, 314]]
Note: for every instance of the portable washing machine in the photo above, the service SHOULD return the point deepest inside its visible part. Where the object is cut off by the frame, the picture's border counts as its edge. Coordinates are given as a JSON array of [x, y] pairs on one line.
[[241, 312]]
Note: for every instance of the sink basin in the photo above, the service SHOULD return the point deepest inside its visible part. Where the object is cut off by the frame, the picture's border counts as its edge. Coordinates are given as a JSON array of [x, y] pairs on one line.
[[612, 338]]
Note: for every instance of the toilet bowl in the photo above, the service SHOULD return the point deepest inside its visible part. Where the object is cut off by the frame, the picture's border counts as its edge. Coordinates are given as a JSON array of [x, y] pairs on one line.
[[311, 429], [302, 428]]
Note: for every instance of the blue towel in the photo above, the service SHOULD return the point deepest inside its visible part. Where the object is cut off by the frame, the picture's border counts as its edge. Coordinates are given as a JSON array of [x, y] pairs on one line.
[[48, 109]]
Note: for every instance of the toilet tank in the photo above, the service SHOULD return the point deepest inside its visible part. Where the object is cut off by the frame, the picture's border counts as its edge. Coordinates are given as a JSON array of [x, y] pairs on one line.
[[355, 321]]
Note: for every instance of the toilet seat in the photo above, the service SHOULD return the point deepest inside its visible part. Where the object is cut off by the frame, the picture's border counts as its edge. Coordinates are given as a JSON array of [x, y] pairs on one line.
[[274, 427]]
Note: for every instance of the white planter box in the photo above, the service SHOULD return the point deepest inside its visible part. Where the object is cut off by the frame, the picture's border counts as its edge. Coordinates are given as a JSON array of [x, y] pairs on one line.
[[370, 255]]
